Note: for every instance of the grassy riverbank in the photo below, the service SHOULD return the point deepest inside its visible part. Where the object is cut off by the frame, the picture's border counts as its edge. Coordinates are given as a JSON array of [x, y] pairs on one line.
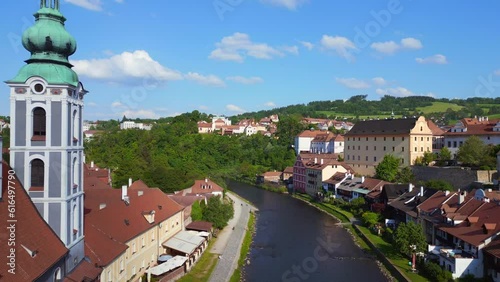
[[346, 217], [245, 248], [203, 268]]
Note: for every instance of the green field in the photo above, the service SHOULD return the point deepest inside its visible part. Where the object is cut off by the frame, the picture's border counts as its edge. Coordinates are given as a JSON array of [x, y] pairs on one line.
[[344, 115], [439, 107]]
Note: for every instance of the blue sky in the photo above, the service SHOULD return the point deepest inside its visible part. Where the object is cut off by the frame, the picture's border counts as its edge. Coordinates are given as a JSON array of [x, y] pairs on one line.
[[155, 58]]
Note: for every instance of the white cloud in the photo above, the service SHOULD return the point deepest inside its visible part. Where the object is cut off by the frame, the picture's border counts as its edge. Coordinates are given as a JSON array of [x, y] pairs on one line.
[[391, 47], [205, 79], [289, 4], [94, 5], [203, 107], [435, 59], [270, 104], [379, 81], [497, 72], [91, 104], [400, 92], [238, 46], [341, 45], [353, 83], [290, 49], [234, 108], [308, 45], [245, 80], [411, 43], [125, 66], [117, 104]]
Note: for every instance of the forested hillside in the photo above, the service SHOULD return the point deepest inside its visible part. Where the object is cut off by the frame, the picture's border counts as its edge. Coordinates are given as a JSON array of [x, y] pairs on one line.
[[172, 155]]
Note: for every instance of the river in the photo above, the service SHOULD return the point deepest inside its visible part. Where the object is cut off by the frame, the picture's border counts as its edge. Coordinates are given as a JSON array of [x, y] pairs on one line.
[[295, 242]]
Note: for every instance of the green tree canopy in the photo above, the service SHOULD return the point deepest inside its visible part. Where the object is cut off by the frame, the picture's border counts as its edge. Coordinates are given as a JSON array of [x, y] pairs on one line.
[[410, 235], [439, 184], [218, 212], [196, 212], [472, 152], [370, 218], [388, 168]]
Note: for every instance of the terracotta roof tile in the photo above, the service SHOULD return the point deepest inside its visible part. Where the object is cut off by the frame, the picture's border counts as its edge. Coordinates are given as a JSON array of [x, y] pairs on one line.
[[85, 271], [209, 185], [200, 226], [31, 231]]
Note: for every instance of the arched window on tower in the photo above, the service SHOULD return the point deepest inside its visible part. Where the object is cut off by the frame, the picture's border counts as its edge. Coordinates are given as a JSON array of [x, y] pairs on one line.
[[76, 128], [76, 175], [37, 175], [39, 123], [58, 275], [76, 221]]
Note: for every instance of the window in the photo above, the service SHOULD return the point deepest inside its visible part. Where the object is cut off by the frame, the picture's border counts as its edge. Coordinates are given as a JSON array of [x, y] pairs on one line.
[[421, 128], [402, 149], [393, 138], [402, 161], [152, 235], [402, 139], [134, 248], [421, 149], [384, 138], [421, 138], [415, 138], [37, 173], [454, 144], [359, 138], [76, 221], [122, 268], [76, 134], [384, 148], [143, 242], [348, 157], [461, 143], [58, 275], [374, 138], [367, 148], [449, 144], [359, 147], [374, 148], [348, 147], [374, 159], [109, 276], [393, 148], [416, 149], [359, 158], [427, 138], [366, 158], [39, 122], [366, 138]]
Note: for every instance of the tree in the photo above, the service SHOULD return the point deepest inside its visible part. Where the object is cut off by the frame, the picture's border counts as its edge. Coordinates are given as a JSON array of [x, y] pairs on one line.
[[428, 158], [472, 151], [405, 175], [439, 184], [370, 218], [218, 212], [196, 212], [445, 154], [409, 238], [387, 169]]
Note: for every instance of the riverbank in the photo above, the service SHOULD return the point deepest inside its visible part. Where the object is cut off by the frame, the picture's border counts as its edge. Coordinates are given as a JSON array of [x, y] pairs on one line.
[[389, 260], [245, 249]]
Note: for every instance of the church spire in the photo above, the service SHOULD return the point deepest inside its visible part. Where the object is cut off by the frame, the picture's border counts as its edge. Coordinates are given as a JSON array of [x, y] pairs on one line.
[[50, 46]]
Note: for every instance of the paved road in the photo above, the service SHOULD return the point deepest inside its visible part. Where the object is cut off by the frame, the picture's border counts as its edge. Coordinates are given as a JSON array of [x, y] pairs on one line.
[[229, 240]]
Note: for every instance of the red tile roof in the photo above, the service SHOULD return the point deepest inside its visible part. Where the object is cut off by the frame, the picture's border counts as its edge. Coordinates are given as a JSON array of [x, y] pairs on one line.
[[209, 185], [200, 226], [138, 185], [476, 129], [436, 131], [31, 231], [187, 200], [288, 169], [120, 222], [85, 271]]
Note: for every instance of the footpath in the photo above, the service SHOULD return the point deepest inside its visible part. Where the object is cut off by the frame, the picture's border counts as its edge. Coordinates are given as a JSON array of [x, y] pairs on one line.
[[229, 240]]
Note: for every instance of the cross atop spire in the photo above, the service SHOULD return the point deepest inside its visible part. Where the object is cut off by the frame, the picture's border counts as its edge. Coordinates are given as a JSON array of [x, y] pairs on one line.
[[53, 4]]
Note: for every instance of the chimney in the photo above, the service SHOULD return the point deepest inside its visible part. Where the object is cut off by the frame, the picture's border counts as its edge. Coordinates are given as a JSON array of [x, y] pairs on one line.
[[321, 161], [461, 197], [1, 168], [362, 179], [124, 192], [315, 160], [446, 193], [140, 193], [92, 164], [421, 190], [206, 180], [410, 187], [102, 205], [130, 182]]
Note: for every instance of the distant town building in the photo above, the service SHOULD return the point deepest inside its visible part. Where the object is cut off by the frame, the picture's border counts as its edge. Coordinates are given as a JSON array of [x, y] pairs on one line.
[[487, 130], [133, 125], [369, 141], [319, 142]]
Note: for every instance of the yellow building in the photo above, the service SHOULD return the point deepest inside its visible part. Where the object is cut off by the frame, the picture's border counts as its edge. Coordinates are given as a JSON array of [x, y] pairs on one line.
[[368, 142]]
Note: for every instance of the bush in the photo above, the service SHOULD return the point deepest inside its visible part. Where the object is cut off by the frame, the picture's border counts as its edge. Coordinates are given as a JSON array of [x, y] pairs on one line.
[[387, 235], [435, 273]]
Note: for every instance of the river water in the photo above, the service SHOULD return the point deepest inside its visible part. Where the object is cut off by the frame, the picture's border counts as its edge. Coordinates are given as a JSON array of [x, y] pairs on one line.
[[295, 242]]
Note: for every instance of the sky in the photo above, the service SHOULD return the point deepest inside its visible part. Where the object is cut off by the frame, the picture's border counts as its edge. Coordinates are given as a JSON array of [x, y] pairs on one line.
[[158, 58]]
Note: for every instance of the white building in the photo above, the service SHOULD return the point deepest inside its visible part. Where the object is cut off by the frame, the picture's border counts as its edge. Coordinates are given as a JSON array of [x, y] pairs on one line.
[[132, 125], [487, 130]]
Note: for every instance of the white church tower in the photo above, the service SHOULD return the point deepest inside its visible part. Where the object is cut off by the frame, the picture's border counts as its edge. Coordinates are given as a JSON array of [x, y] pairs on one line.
[[46, 146]]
